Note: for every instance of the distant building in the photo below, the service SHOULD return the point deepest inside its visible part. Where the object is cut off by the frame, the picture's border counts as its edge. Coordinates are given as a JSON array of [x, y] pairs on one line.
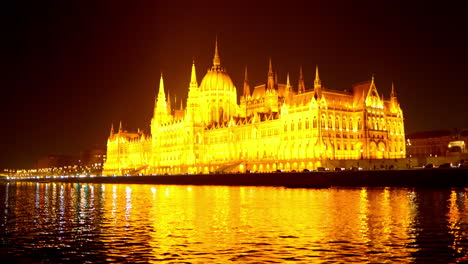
[[428, 143], [275, 127], [441, 144], [56, 161], [92, 160]]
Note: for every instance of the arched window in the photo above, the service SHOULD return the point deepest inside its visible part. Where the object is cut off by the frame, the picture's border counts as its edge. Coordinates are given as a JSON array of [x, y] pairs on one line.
[[285, 127], [337, 122], [221, 115], [324, 121], [299, 125], [330, 122], [351, 124], [359, 125], [344, 123], [213, 114], [292, 125], [315, 122], [307, 123]]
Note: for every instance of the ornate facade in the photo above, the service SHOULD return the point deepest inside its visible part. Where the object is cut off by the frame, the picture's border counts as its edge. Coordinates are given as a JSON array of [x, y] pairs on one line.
[[275, 127]]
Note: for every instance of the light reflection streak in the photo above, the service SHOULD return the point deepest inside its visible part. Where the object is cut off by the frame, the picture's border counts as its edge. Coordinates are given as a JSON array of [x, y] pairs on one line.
[[456, 201], [128, 202], [363, 215]]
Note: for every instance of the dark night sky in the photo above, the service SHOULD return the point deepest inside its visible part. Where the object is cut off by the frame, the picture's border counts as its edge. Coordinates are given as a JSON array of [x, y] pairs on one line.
[[70, 70]]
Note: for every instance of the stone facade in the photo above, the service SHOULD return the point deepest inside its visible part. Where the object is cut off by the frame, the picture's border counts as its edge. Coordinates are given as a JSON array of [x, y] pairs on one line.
[[275, 127]]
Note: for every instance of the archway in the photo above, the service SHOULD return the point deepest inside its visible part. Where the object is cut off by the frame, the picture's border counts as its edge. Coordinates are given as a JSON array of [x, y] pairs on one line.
[[372, 150], [359, 151], [381, 150]]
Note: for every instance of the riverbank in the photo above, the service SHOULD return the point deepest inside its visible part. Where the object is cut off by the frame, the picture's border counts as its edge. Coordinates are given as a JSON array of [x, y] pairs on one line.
[[371, 178]]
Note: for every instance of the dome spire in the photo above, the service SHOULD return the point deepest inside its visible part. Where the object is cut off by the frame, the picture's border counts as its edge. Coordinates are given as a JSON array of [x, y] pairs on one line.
[[216, 59]]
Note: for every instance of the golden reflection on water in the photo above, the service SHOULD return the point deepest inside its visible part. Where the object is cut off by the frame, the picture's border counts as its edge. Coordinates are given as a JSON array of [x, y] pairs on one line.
[[217, 224], [218, 220]]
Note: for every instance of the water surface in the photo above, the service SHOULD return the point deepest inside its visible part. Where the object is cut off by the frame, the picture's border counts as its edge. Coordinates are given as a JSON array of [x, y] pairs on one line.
[[94, 223]]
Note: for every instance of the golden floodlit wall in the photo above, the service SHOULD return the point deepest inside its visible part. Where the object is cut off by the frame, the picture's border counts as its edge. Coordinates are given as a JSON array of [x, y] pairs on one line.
[[275, 127]]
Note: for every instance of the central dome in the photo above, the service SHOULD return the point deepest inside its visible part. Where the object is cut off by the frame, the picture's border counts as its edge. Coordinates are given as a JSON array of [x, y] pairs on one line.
[[218, 95], [216, 81]]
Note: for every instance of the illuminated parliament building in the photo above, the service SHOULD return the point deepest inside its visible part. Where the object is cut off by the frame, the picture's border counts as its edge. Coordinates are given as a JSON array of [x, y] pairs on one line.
[[274, 127]]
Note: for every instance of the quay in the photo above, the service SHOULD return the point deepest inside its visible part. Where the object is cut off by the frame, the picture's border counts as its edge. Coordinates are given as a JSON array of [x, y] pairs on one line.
[[430, 178]]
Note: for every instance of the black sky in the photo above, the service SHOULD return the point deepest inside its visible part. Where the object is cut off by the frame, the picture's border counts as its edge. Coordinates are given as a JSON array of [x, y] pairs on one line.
[[72, 69]]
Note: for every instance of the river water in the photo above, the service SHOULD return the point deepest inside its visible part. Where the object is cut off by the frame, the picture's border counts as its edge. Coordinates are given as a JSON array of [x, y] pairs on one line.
[[97, 223]]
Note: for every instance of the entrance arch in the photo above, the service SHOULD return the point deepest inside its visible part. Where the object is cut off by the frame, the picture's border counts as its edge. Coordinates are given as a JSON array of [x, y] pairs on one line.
[[381, 150], [372, 150]]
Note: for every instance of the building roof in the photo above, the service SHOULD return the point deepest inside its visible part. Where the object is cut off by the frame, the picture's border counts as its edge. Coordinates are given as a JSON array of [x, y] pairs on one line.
[[430, 134]]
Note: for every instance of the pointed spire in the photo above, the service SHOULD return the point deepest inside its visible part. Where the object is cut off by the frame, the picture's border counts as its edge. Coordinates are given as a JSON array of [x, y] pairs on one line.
[[271, 78], [112, 130], [120, 127], [301, 85], [246, 84], [160, 109], [372, 81], [288, 84], [270, 68], [193, 76], [392, 93], [317, 82], [181, 105], [216, 60], [161, 93]]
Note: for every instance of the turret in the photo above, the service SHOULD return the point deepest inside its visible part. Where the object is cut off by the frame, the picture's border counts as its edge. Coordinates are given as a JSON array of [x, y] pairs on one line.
[[276, 80], [111, 132], [317, 84], [193, 97], [301, 85], [271, 78], [392, 93], [394, 105], [288, 85], [246, 85], [288, 91], [193, 76], [161, 109]]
